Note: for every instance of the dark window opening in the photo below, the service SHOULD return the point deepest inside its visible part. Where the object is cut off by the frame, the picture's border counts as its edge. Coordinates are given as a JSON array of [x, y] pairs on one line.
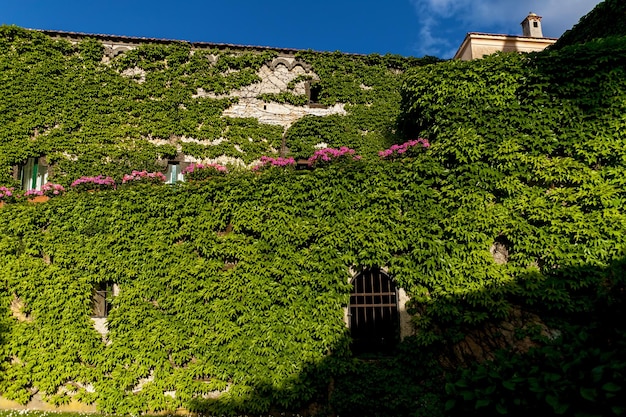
[[101, 301], [535, 24], [374, 320], [313, 91]]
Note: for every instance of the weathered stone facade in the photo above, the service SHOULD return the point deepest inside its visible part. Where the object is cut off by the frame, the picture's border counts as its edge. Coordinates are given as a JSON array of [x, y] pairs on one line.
[[275, 78]]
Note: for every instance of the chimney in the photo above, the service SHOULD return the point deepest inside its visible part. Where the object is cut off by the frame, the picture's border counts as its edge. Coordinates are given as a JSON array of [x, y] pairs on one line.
[[531, 26]]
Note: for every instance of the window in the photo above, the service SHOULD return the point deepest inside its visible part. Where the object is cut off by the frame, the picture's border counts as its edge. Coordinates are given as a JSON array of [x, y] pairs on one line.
[[101, 302], [373, 312], [535, 24], [33, 174], [313, 90], [173, 173]]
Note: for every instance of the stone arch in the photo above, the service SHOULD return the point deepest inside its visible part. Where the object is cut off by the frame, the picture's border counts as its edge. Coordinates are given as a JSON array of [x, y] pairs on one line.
[[305, 67], [290, 65], [117, 50], [280, 61]]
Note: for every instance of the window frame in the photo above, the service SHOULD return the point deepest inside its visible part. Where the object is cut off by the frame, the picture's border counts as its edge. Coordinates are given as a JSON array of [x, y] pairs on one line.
[[33, 173]]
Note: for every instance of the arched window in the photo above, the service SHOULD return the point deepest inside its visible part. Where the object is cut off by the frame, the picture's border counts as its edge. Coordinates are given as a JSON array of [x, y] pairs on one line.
[[374, 324]]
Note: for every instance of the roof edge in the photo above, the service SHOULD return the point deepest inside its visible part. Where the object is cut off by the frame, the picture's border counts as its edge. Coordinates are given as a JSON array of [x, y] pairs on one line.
[[135, 40]]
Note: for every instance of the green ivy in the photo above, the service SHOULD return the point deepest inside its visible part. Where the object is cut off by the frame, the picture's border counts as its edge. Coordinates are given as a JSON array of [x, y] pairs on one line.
[[91, 114], [285, 98], [605, 20], [238, 284]]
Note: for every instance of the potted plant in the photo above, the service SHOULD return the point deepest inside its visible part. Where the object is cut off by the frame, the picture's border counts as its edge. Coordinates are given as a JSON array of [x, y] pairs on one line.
[[7, 195], [48, 191]]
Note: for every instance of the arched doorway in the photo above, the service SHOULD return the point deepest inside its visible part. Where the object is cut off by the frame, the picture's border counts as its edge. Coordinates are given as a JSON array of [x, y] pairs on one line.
[[373, 312]]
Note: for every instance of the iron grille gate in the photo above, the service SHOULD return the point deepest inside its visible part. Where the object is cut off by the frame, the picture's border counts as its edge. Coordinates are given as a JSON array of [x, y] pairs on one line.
[[373, 312]]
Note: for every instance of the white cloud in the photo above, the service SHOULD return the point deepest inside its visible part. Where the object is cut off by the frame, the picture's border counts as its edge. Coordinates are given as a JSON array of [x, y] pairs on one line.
[[443, 23], [429, 43]]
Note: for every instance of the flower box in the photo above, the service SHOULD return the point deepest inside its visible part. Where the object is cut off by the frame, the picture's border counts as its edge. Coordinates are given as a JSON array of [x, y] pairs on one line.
[[39, 199]]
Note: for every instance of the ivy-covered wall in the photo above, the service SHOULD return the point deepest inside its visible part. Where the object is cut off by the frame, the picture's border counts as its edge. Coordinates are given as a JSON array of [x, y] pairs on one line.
[[537, 142], [508, 233], [605, 20], [92, 114]]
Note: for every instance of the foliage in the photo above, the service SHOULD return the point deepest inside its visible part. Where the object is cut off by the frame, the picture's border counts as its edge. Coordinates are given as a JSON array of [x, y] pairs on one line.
[[91, 117], [605, 20], [91, 114], [536, 143], [579, 372], [232, 291], [369, 85]]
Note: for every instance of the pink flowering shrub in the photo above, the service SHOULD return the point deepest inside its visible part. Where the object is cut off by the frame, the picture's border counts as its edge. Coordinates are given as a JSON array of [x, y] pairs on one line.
[[145, 177], [199, 172], [267, 161], [406, 149], [7, 194], [94, 183], [327, 155], [33, 193], [49, 189]]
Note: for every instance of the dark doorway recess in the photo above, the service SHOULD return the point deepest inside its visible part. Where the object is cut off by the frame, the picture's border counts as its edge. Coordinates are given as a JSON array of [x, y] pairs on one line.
[[374, 323], [101, 301]]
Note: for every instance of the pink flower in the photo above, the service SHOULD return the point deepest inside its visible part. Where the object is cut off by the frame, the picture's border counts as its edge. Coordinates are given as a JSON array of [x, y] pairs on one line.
[[404, 148], [329, 154], [204, 171], [6, 192], [267, 161], [144, 176], [90, 182]]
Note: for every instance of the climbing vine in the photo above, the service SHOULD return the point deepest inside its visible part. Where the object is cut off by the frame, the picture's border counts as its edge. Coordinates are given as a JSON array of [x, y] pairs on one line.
[[110, 115], [492, 191]]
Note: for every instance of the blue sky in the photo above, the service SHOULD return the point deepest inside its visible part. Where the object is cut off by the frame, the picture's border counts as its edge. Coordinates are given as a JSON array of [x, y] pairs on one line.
[[404, 27]]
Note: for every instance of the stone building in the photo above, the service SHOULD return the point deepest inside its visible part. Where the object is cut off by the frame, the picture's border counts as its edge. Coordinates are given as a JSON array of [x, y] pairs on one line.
[[476, 44]]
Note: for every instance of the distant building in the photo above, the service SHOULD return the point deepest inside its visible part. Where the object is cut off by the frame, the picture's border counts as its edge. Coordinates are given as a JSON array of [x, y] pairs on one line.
[[476, 45]]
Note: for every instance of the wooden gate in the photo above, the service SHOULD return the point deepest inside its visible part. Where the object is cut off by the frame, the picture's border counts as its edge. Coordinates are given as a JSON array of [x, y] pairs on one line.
[[374, 324]]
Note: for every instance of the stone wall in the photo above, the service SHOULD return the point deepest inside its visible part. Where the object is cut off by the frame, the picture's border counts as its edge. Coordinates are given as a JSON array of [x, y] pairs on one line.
[[275, 78]]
